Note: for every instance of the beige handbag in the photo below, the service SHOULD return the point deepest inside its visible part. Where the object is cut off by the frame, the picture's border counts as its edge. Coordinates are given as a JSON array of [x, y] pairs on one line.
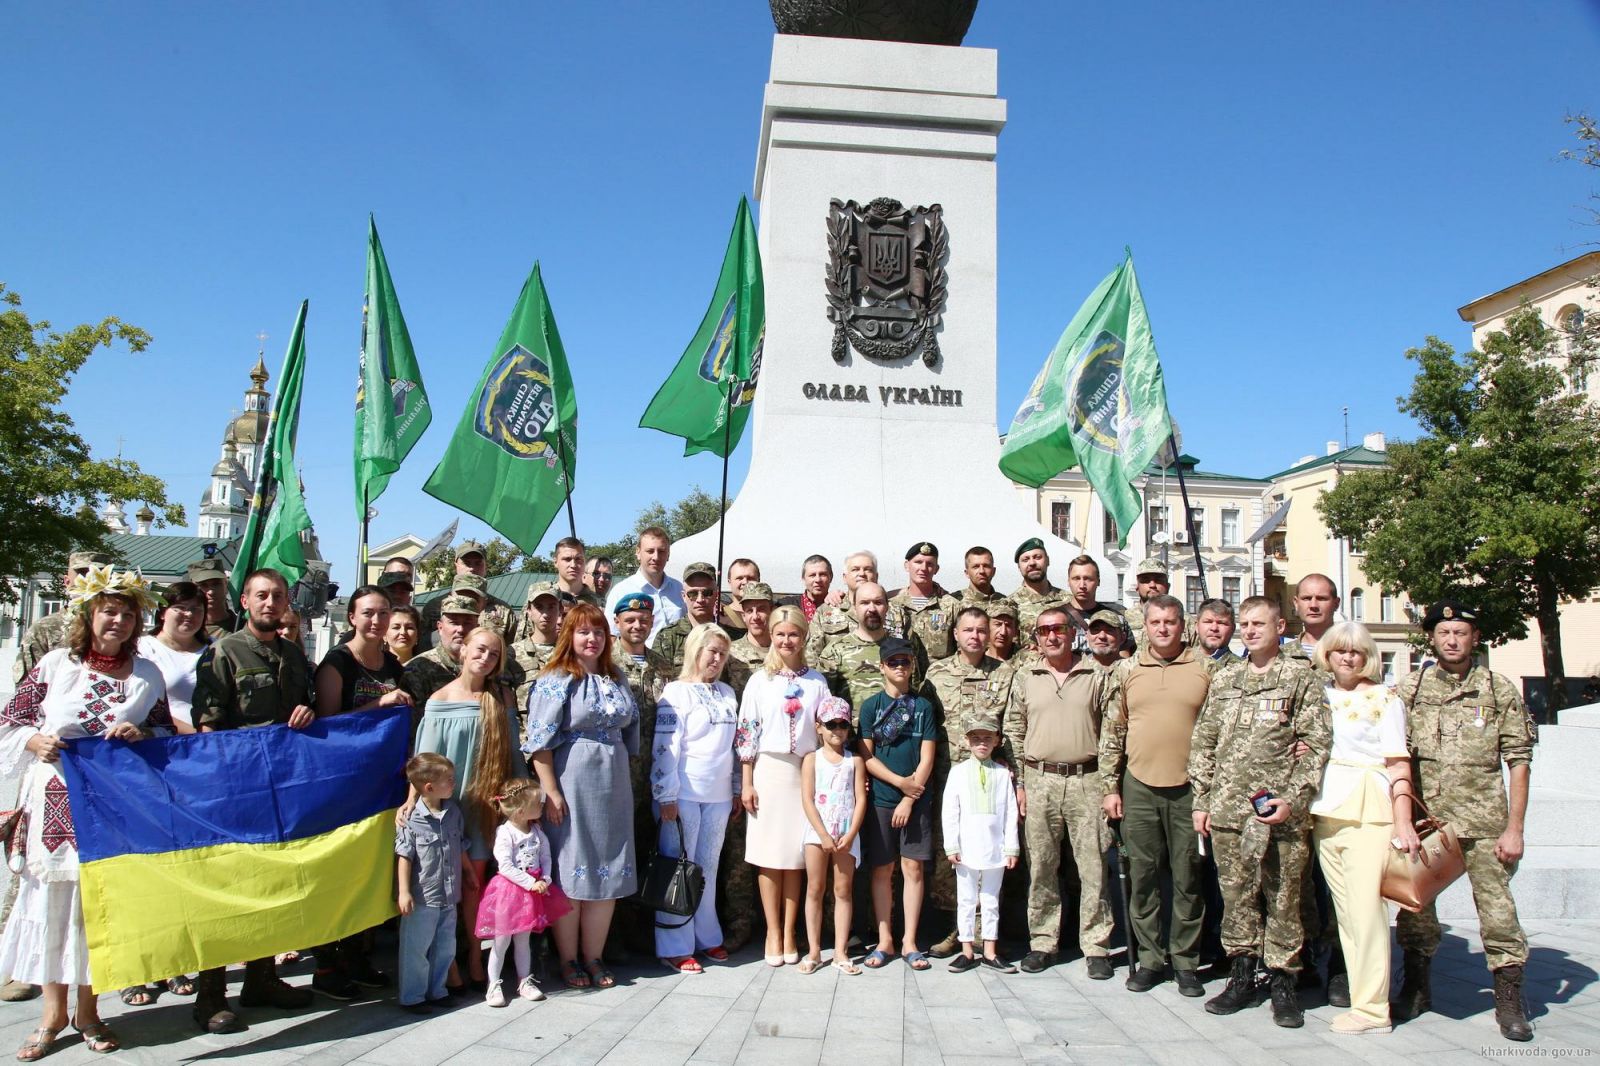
[[1415, 883]]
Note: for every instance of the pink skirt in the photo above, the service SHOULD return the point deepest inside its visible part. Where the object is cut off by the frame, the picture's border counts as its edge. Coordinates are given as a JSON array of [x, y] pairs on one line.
[[507, 909]]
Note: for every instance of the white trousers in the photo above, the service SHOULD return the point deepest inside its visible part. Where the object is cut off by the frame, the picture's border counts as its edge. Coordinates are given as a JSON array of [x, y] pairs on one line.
[[977, 890], [704, 826]]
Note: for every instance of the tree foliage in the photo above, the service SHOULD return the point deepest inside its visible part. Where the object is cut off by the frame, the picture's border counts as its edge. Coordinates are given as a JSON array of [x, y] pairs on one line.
[[502, 557], [51, 488], [696, 511], [1499, 501]]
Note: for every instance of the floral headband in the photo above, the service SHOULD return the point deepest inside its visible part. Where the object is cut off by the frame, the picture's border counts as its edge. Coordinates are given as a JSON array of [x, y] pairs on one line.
[[107, 581]]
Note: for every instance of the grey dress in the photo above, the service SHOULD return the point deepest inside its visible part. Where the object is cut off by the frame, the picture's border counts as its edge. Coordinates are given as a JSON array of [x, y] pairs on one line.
[[591, 727]]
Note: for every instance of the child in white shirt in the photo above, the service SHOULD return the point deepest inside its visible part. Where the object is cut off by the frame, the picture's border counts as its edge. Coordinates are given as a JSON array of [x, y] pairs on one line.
[[979, 819]]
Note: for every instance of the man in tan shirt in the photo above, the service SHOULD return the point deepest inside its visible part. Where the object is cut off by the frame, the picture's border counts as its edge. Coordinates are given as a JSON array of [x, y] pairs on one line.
[[1052, 726], [1150, 703]]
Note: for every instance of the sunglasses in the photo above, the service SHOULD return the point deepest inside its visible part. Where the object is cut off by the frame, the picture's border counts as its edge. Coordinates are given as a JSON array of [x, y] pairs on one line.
[[699, 594], [899, 661], [1046, 631], [835, 725]]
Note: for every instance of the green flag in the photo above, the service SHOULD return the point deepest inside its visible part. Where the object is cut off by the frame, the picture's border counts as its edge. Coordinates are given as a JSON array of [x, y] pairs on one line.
[[706, 399], [385, 431], [1099, 402], [278, 509], [514, 454]]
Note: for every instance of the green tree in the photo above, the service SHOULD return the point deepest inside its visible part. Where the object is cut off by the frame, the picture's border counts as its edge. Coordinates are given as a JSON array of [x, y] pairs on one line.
[[439, 569], [51, 488], [696, 511], [1499, 501]]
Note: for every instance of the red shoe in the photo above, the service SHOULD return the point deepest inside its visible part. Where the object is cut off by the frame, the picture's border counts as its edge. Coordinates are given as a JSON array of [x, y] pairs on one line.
[[716, 954]]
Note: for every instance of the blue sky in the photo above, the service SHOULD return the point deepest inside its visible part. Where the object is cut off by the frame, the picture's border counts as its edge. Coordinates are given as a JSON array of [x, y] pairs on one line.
[[1308, 191]]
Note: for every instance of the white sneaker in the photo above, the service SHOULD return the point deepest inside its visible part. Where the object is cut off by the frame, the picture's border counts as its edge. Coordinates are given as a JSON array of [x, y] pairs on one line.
[[496, 996], [530, 991]]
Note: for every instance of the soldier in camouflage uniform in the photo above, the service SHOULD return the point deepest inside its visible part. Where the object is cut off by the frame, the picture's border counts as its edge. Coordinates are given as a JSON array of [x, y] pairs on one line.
[[213, 581], [958, 688], [50, 632], [1316, 604], [834, 619], [1003, 643], [647, 674], [1213, 627], [700, 603], [1107, 634], [741, 573], [541, 624], [1463, 722], [737, 902], [980, 592], [1151, 580], [1255, 716], [432, 670], [1035, 594], [495, 613], [850, 661], [922, 604]]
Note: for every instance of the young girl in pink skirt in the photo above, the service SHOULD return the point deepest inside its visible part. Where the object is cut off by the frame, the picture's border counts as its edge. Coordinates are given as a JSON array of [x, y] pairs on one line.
[[520, 898]]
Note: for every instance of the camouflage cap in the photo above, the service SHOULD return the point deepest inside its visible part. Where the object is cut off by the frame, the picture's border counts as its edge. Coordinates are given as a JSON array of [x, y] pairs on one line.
[[206, 570], [455, 603], [468, 547], [922, 547], [1027, 546], [470, 583], [395, 577], [891, 646], [976, 720], [84, 560], [1448, 611], [1151, 566], [1106, 616], [1002, 608], [542, 589], [699, 570], [757, 591]]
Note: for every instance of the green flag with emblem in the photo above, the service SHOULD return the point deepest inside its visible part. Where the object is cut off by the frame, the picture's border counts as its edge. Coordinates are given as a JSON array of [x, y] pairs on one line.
[[386, 429], [706, 399], [514, 453], [278, 508], [1098, 404]]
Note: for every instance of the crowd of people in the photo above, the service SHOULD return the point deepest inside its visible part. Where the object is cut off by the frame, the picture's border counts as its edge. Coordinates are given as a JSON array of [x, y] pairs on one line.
[[958, 745]]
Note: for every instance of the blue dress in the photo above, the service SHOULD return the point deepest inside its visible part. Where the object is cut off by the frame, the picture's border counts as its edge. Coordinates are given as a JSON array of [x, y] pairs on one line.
[[451, 728], [591, 734]]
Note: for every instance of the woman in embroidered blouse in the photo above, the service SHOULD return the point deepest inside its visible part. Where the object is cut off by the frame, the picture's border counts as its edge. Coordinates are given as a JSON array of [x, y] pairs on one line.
[[582, 726], [776, 732], [96, 686], [1362, 810], [693, 783]]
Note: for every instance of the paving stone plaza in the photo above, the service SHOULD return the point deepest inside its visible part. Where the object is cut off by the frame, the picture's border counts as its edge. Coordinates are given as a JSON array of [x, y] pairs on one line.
[[748, 1013]]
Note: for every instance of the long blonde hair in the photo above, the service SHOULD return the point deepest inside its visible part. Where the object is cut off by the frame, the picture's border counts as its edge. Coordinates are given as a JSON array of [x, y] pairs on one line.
[[492, 767], [794, 616], [699, 637]]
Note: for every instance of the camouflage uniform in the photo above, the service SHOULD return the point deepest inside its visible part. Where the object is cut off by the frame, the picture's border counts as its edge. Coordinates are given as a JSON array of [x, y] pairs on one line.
[[426, 674], [931, 623], [1030, 605], [218, 630], [241, 681], [745, 657], [835, 620], [850, 663], [957, 691], [1460, 730], [737, 902], [669, 642], [44, 636], [645, 680], [497, 616], [526, 660], [1242, 742]]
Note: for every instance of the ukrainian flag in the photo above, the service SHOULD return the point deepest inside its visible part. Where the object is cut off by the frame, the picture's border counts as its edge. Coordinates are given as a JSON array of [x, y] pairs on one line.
[[216, 848]]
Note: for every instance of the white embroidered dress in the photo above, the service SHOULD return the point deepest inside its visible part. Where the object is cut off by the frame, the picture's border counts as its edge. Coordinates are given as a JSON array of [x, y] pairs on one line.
[[44, 941]]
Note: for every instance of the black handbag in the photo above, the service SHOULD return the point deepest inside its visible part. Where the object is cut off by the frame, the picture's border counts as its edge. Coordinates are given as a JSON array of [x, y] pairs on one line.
[[672, 885]]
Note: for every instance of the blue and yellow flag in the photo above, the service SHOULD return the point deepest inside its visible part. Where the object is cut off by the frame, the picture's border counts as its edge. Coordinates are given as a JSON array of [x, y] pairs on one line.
[[216, 848]]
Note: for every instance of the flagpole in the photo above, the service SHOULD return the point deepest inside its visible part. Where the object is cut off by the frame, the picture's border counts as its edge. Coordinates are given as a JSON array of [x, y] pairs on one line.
[[566, 479], [361, 548], [1188, 518], [722, 515]]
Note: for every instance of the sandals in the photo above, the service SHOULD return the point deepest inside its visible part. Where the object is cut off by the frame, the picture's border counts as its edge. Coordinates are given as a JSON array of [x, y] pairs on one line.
[[139, 995], [99, 1038], [716, 954], [845, 966], [38, 1044], [877, 959], [573, 976], [602, 977], [808, 965], [918, 961], [180, 985], [686, 964]]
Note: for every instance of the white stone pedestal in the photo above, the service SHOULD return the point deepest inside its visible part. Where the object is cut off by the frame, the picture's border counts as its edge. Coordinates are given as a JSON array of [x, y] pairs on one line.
[[900, 462]]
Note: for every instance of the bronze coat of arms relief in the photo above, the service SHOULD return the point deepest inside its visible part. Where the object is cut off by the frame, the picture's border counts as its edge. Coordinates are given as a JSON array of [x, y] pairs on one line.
[[886, 279]]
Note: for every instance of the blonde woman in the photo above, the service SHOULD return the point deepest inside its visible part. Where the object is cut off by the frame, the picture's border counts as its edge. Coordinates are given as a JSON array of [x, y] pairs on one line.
[[1362, 811], [777, 729], [694, 781]]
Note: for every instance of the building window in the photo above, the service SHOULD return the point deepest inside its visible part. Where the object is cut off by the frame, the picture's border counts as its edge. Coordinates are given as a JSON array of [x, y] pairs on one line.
[[1122, 587], [1571, 323], [1061, 518], [1157, 523], [1386, 607], [1358, 605], [1230, 591], [1230, 527], [1110, 530], [49, 605], [1386, 664], [1193, 595], [1413, 661], [1197, 520]]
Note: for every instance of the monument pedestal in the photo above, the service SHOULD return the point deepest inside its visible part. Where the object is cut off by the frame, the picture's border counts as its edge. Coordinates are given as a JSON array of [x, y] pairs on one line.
[[850, 450]]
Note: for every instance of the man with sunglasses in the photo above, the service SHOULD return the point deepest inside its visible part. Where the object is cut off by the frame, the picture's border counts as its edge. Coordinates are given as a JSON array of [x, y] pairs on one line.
[[1052, 727], [700, 605]]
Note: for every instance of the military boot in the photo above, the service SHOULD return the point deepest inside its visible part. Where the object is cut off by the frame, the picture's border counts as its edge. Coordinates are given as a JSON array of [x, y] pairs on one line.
[[263, 988], [1416, 991], [1509, 1011], [1241, 991], [211, 1011], [1286, 1010]]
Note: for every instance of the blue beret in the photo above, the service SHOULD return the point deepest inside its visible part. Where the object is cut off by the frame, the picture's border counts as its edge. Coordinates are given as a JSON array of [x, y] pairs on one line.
[[634, 601]]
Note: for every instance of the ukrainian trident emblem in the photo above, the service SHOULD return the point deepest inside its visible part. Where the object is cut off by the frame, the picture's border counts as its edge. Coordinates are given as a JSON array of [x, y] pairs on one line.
[[886, 279]]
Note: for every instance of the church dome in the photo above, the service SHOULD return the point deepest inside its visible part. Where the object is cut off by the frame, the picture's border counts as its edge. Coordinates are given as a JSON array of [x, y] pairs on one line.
[[249, 428]]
